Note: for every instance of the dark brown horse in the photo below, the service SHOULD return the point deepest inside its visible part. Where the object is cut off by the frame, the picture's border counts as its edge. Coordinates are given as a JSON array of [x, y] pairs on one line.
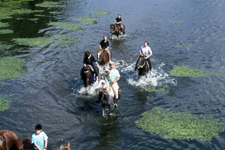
[[115, 29], [103, 56], [7, 139], [24, 144], [143, 66], [87, 75]]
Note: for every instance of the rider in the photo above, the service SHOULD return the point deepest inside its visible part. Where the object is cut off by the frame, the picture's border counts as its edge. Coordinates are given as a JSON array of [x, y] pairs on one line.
[[90, 60], [118, 21], [39, 138], [146, 52], [113, 76], [104, 44]]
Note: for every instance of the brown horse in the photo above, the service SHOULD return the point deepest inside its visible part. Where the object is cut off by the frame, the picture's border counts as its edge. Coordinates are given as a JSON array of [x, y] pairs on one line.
[[87, 75], [7, 139], [103, 56], [143, 66], [24, 144], [65, 148], [115, 29]]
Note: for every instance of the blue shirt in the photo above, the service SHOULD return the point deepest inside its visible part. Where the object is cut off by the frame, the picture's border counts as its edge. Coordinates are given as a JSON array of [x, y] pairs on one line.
[[113, 75], [39, 139]]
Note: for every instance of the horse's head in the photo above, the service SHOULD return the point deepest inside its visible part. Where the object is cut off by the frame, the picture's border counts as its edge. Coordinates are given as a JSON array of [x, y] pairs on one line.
[[141, 63], [102, 85], [86, 74], [65, 148], [112, 28]]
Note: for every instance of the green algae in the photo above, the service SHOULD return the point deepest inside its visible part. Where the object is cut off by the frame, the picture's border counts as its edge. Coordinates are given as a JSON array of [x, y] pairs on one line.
[[184, 45], [3, 25], [67, 25], [33, 19], [160, 90], [38, 15], [33, 42], [11, 67], [176, 21], [49, 4], [6, 31], [179, 125], [101, 12], [4, 104], [54, 12], [86, 20], [64, 40], [5, 47], [185, 71]]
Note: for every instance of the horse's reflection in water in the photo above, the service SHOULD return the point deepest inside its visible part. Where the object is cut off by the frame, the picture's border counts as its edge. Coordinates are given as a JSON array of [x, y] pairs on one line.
[[107, 98]]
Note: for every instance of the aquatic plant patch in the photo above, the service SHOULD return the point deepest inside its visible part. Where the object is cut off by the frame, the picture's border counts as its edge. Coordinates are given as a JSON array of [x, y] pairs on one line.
[[176, 21], [5, 47], [6, 31], [86, 20], [33, 19], [179, 125], [101, 12], [4, 104], [11, 67], [185, 71], [3, 25], [184, 46], [160, 90], [49, 4], [67, 25], [33, 42], [64, 40]]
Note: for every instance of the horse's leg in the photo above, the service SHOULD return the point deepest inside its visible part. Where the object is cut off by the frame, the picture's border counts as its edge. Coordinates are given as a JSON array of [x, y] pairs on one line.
[[103, 110]]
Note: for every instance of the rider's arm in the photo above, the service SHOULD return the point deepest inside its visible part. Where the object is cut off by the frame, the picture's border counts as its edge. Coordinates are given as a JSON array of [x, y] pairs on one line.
[[140, 53], [46, 144], [100, 47]]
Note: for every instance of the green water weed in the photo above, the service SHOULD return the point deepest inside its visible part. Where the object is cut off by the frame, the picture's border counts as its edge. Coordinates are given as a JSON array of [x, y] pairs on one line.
[[101, 12], [6, 31], [49, 4], [3, 25], [67, 25], [179, 125], [33, 42], [86, 20]]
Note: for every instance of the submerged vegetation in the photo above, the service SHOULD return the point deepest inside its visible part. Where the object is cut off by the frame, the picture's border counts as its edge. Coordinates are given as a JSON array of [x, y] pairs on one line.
[[2, 25], [177, 21], [6, 31], [184, 45], [161, 90], [4, 104], [5, 47], [33, 41], [179, 125], [64, 40], [11, 67], [86, 20], [67, 25], [49, 4], [185, 71], [101, 12]]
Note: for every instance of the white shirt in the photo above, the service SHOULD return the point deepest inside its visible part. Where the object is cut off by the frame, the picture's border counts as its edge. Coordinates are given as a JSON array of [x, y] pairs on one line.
[[145, 51]]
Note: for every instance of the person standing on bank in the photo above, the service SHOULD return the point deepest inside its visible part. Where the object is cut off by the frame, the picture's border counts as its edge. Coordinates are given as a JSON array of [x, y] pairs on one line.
[[118, 21], [39, 138], [113, 76], [146, 52]]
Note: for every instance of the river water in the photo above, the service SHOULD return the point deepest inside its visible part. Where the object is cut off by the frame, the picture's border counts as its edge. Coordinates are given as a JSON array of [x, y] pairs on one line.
[[51, 92]]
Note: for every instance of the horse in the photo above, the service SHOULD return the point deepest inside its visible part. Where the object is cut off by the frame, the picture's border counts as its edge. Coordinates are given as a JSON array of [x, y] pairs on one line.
[[65, 148], [115, 29], [25, 144], [7, 139], [108, 94], [88, 75], [104, 56], [143, 66]]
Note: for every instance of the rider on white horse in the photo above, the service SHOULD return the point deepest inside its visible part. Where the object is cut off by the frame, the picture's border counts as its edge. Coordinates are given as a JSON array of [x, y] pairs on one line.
[[113, 76]]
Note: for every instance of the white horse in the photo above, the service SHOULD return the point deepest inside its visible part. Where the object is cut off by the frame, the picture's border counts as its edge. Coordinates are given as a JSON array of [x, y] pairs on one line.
[[108, 94]]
